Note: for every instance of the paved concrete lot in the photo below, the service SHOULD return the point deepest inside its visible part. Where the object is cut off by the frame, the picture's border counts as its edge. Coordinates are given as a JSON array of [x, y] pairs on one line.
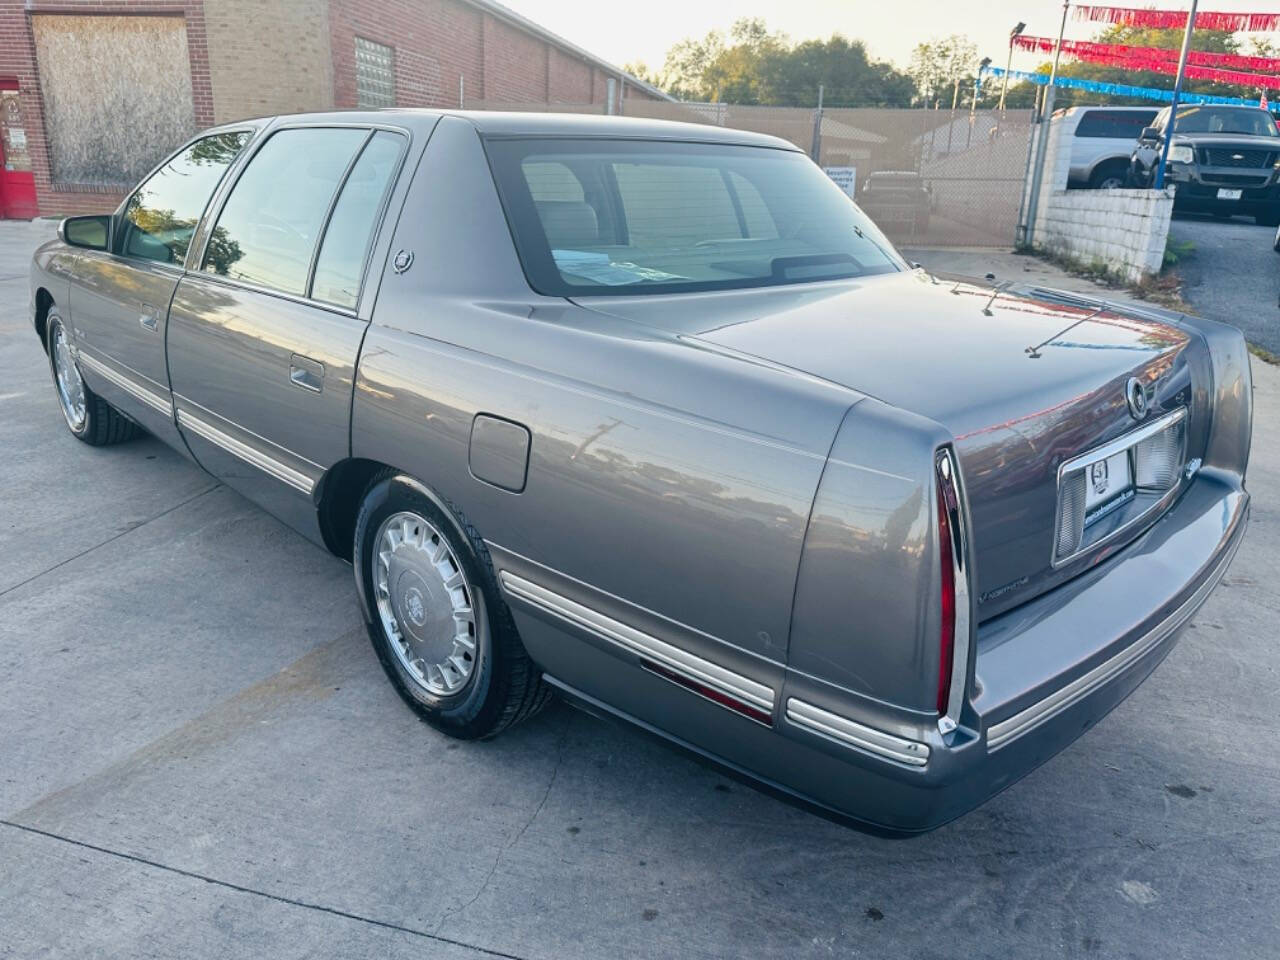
[[200, 758], [1234, 272]]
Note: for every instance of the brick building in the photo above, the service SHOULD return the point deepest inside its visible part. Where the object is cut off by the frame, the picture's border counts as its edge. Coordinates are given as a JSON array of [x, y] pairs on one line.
[[94, 92]]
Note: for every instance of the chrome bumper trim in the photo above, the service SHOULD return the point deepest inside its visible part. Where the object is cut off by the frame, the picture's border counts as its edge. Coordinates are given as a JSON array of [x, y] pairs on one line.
[[127, 384], [270, 465], [851, 734], [635, 641], [1006, 731]]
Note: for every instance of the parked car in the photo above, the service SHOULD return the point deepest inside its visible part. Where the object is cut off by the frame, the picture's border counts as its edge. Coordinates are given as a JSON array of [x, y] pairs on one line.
[[1223, 161], [1102, 143], [898, 201], [652, 415]]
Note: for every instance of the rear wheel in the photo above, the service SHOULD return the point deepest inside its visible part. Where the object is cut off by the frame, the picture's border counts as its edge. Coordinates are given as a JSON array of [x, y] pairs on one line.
[[435, 615], [88, 416]]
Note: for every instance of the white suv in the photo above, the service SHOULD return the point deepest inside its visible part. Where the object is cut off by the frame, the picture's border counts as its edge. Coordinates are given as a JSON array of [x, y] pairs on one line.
[[1101, 143]]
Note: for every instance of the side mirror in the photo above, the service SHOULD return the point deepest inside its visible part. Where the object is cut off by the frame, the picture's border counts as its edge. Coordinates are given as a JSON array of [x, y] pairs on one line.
[[91, 233], [1149, 133]]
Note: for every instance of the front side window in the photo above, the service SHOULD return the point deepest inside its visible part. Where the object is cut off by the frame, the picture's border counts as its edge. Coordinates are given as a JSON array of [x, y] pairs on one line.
[[625, 217], [269, 226], [161, 217]]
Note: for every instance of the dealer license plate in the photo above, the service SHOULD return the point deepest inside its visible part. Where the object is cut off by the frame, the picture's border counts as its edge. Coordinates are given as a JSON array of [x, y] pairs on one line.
[[1108, 484], [1225, 194]]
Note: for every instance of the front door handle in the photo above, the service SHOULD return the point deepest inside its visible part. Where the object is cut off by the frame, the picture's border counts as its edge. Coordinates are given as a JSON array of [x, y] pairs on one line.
[[150, 317], [306, 373]]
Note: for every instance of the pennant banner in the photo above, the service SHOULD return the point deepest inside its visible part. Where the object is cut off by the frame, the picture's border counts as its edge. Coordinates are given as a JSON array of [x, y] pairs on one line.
[[1084, 49], [1121, 89], [1177, 19]]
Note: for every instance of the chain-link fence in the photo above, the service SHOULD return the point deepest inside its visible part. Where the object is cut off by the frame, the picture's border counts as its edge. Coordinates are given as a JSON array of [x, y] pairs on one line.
[[926, 177]]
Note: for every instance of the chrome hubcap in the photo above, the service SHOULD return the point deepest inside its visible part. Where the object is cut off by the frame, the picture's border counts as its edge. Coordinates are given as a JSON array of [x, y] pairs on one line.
[[67, 377], [427, 607]]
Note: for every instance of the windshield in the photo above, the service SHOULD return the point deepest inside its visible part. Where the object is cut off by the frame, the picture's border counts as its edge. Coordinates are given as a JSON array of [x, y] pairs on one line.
[[626, 217], [1244, 120]]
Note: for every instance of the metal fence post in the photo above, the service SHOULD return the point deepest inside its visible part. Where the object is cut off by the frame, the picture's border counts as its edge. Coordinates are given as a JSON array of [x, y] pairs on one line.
[[1042, 137], [815, 151], [610, 91]]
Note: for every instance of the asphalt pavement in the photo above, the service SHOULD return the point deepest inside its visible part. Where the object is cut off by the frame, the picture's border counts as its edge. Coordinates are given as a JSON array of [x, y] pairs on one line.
[[1232, 274], [201, 758]]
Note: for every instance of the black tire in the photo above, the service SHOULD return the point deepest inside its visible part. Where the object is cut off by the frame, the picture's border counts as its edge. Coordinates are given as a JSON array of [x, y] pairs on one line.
[[103, 424], [1269, 217], [505, 686], [1109, 176]]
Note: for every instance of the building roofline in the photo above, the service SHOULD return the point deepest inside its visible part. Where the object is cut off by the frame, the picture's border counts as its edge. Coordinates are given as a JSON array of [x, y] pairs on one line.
[[536, 29]]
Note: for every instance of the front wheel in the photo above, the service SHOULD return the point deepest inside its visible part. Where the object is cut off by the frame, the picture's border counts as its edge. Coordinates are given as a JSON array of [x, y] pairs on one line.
[[88, 416], [1270, 217], [435, 615]]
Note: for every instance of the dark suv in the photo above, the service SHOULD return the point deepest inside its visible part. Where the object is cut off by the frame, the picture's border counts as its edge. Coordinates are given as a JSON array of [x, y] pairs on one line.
[[1222, 159]]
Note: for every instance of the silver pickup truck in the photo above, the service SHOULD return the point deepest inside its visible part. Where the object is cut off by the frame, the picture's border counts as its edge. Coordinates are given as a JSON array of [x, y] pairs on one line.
[[1101, 143]]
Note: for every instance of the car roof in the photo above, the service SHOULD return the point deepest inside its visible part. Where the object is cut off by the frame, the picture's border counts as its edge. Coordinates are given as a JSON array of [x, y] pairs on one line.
[[519, 124]]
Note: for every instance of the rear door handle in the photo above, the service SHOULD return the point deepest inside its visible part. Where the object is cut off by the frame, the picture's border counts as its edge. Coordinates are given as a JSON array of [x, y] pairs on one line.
[[150, 317], [306, 373]]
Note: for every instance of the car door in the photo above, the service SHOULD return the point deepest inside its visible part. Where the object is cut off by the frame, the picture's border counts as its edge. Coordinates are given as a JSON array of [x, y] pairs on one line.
[[264, 334], [120, 296]]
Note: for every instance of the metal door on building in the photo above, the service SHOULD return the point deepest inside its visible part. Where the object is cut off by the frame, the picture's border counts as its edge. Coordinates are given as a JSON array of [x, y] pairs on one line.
[[17, 184]]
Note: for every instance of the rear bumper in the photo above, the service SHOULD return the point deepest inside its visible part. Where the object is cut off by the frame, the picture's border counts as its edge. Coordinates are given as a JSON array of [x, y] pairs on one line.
[[1045, 673], [1049, 670]]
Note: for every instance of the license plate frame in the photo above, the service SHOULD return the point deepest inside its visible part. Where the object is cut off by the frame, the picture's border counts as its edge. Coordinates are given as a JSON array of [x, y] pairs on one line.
[[1227, 193]]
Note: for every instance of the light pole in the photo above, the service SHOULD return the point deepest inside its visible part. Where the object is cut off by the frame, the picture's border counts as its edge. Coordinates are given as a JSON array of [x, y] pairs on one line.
[[1004, 87], [1177, 91], [973, 103]]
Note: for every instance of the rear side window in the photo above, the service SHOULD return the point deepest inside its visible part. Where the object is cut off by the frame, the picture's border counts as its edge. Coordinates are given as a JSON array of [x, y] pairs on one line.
[[271, 223], [161, 216], [1114, 124], [349, 234]]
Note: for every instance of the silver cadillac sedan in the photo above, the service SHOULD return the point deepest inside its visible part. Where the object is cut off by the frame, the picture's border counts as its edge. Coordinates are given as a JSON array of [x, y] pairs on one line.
[[653, 416]]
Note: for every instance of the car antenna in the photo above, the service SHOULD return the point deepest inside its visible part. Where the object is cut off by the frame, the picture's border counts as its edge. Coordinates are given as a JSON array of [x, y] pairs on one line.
[[1034, 352], [999, 289]]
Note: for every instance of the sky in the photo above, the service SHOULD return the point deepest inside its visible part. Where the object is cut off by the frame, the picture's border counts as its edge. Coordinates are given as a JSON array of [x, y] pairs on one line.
[[625, 32]]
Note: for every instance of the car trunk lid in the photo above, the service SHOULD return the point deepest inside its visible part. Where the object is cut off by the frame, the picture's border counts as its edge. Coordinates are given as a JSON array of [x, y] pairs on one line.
[[1025, 382]]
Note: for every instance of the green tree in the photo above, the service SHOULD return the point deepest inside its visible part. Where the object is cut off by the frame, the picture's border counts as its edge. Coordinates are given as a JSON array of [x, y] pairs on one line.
[[754, 65], [943, 68]]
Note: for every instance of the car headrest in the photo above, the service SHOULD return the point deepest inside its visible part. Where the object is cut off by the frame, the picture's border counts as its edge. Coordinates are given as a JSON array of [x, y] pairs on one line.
[[569, 223]]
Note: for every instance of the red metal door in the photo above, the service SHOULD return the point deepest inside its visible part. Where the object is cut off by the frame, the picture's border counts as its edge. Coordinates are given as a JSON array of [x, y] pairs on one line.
[[17, 184]]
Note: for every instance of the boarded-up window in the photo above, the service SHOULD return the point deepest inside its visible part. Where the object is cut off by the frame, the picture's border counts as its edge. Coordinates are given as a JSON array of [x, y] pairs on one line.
[[117, 94], [375, 75]]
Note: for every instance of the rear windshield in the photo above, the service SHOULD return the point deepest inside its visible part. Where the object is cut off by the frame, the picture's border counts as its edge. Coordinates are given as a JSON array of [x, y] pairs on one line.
[[624, 217], [1256, 123]]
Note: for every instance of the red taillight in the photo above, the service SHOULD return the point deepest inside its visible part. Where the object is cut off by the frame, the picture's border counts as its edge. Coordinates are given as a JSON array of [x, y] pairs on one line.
[[946, 558]]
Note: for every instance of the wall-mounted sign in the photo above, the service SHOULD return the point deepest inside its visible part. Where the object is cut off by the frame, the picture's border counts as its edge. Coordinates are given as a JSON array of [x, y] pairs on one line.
[[846, 178]]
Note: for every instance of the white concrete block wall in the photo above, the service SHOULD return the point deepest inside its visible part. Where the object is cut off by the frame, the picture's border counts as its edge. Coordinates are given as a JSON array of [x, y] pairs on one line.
[[1126, 229]]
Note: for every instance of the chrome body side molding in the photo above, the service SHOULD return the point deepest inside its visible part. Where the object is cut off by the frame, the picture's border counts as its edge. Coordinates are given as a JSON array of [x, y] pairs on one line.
[[859, 736], [1006, 731], [126, 383], [698, 669], [269, 465]]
